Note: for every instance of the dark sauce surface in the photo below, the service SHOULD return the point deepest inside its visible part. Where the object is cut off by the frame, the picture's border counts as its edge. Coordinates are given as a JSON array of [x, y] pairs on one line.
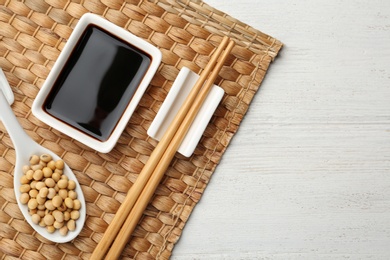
[[97, 83]]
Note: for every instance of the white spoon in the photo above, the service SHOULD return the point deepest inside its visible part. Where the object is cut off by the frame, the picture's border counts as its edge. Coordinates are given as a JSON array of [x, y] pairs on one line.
[[25, 147]]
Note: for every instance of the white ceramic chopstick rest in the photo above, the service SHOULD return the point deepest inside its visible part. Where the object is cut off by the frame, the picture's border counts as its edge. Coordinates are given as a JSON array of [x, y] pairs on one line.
[[179, 91]]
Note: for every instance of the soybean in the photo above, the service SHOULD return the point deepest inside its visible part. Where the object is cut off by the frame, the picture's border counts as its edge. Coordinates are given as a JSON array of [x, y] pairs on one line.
[[24, 188], [43, 192], [32, 204], [63, 193], [29, 175], [33, 193], [38, 175], [60, 164], [71, 224], [45, 158], [52, 192], [41, 201], [50, 229], [47, 172], [58, 225], [34, 159], [76, 204], [71, 185], [75, 214], [35, 218], [49, 182], [64, 230], [72, 194], [24, 198], [39, 185], [58, 215], [51, 165], [62, 184], [57, 201], [24, 180], [49, 220]]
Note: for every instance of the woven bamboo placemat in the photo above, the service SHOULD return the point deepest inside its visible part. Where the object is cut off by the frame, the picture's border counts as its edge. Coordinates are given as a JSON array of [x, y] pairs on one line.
[[32, 34]]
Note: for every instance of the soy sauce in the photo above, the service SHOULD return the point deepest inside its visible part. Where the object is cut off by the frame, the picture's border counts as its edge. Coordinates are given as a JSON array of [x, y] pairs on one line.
[[97, 83]]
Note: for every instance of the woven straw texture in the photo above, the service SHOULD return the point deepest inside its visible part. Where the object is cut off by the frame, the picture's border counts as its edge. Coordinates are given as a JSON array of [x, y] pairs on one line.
[[32, 34]]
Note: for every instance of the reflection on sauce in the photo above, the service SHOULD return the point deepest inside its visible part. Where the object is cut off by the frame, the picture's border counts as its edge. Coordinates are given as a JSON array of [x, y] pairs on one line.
[[97, 83]]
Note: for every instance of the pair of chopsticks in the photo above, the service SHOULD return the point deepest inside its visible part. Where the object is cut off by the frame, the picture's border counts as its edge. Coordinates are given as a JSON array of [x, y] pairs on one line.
[[139, 195]]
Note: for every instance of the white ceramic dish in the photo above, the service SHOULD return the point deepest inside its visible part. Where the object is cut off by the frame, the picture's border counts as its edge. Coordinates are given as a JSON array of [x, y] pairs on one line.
[[179, 91], [41, 113]]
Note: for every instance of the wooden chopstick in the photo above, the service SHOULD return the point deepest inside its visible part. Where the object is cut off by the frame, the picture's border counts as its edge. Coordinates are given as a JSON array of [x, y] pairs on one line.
[[151, 186], [153, 161]]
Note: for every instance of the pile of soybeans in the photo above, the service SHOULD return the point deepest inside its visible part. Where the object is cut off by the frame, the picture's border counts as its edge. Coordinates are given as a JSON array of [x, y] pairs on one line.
[[50, 196]]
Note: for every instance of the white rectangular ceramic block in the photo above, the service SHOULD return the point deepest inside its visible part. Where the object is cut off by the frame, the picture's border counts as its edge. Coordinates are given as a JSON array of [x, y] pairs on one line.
[[179, 91], [91, 112]]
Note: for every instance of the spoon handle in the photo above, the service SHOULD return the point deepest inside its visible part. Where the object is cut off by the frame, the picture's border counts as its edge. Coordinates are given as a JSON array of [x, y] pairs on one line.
[[18, 136]]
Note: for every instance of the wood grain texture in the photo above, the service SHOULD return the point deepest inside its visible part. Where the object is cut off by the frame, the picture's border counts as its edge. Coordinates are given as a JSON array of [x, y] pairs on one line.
[[315, 180]]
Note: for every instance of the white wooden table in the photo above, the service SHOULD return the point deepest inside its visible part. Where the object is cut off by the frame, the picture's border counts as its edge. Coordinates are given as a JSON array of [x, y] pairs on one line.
[[315, 180]]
